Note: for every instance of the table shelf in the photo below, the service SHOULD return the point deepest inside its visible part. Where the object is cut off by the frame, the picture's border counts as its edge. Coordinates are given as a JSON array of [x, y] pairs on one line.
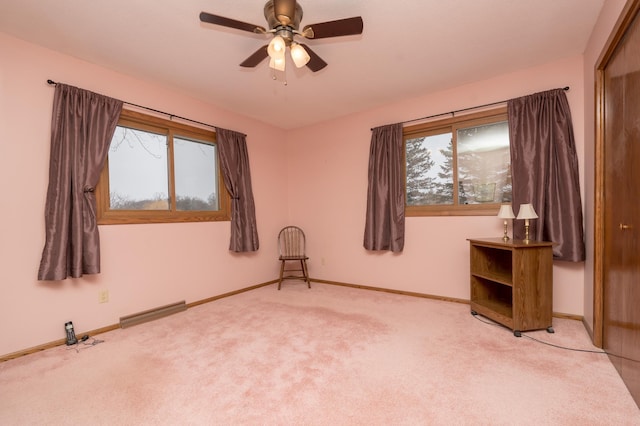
[[512, 282]]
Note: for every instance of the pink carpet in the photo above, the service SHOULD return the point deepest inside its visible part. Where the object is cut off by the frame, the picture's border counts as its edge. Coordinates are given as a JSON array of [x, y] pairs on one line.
[[325, 356]]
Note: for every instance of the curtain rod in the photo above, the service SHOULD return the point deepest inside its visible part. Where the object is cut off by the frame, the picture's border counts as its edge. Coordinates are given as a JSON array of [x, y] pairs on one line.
[[453, 113], [171, 116]]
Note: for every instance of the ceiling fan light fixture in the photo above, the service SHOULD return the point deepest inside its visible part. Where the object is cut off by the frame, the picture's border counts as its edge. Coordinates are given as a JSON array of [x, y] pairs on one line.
[[299, 55], [277, 64], [276, 47]]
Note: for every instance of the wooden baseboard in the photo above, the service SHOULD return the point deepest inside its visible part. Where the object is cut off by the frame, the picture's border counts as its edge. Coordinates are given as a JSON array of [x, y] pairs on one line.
[[569, 316], [231, 293], [55, 343], [111, 327], [61, 342], [388, 290], [427, 296]]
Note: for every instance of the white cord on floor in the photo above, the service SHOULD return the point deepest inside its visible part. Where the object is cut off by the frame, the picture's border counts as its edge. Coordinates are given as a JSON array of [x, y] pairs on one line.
[[85, 342]]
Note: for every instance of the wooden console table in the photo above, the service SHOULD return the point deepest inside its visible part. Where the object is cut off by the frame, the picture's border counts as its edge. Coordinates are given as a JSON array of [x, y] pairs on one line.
[[512, 282]]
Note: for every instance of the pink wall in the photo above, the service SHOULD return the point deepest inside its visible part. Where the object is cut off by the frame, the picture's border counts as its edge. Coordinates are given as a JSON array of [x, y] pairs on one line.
[[315, 177], [330, 160], [606, 21], [143, 266]]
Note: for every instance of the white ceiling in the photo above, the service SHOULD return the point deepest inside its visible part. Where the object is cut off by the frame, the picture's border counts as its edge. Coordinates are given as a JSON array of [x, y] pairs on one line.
[[407, 47]]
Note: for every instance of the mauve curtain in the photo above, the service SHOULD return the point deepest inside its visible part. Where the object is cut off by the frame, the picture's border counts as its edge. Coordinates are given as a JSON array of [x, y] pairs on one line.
[[545, 171], [384, 227], [234, 160], [82, 126]]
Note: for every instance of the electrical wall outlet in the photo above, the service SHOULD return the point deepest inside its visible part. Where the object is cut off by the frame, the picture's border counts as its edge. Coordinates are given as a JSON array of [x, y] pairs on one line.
[[103, 296]]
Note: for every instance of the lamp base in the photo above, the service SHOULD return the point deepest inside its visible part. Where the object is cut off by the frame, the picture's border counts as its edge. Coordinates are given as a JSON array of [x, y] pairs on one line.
[[506, 237]]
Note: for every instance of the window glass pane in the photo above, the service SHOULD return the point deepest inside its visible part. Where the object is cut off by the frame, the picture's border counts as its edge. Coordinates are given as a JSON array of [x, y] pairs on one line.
[[138, 172], [483, 164], [196, 175], [429, 170]]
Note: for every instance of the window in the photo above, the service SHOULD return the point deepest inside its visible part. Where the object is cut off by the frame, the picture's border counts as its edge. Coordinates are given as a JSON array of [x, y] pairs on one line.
[[458, 166], [160, 171]]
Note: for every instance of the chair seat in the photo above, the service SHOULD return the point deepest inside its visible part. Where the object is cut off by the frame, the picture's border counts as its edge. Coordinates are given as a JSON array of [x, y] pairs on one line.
[[293, 258]]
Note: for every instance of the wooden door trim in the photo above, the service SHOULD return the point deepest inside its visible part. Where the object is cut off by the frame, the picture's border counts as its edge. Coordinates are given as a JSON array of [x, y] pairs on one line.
[[627, 16]]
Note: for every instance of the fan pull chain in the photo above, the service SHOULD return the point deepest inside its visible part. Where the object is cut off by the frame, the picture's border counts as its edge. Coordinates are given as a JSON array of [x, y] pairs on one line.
[[275, 77]]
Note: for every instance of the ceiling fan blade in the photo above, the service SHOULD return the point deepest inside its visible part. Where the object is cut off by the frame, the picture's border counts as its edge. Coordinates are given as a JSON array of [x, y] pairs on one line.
[[257, 57], [316, 63], [341, 27], [285, 11], [231, 23]]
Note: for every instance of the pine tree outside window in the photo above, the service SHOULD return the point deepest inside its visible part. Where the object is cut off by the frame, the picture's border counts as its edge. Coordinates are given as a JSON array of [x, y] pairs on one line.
[[458, 166]]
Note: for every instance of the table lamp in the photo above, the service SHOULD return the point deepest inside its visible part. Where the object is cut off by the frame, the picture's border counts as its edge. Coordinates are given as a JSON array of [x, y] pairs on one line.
[[526, 212], [506, 213]]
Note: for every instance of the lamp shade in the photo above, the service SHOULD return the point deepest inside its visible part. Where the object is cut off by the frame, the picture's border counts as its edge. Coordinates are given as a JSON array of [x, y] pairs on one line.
[[277, 63], [506, 212], [527, 212], [276, 51], [299, 55], [276, 47]]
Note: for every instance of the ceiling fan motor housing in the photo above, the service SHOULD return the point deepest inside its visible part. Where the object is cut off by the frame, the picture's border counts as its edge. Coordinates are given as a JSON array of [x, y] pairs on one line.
[[282, 20]]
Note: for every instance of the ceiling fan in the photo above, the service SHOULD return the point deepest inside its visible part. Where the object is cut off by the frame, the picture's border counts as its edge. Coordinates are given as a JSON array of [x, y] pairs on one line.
[[283, 17]]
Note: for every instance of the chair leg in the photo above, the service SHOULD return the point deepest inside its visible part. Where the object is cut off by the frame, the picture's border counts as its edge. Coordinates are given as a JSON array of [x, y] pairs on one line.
[[305, 272], [281, 273]]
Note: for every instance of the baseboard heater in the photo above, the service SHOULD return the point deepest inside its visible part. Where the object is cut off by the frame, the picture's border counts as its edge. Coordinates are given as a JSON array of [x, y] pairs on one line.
[[152, 314]]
